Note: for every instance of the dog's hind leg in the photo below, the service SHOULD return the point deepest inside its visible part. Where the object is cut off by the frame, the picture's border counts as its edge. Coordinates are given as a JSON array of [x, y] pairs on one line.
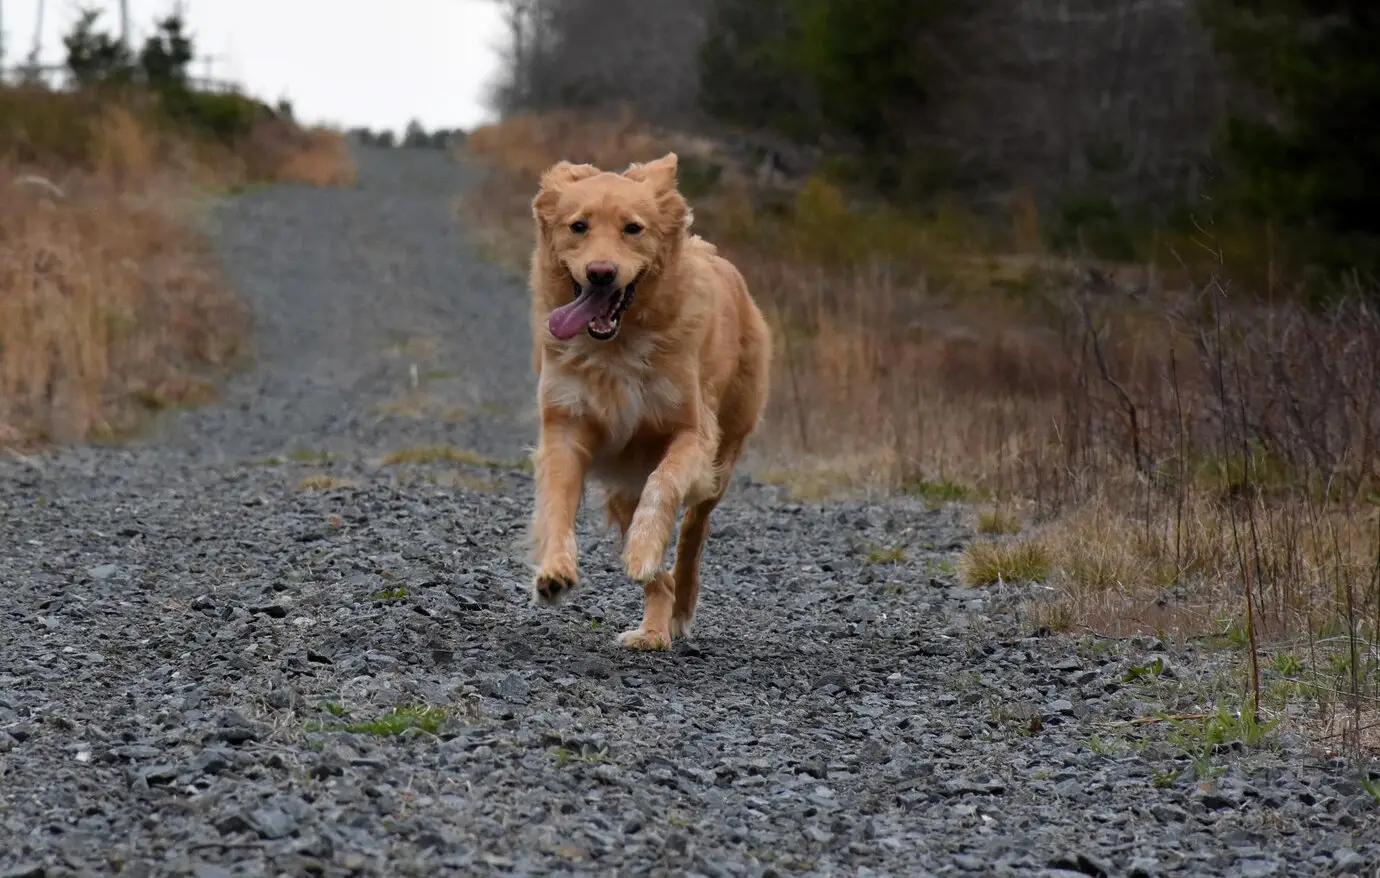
[[619, 507], [655, 630], [694, 531]]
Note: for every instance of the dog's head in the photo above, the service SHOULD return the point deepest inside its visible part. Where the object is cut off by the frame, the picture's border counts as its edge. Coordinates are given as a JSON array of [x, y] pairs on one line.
[[606, 233]]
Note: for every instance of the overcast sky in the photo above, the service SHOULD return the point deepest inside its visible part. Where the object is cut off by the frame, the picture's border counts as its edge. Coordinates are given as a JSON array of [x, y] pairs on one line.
[[346, 62]]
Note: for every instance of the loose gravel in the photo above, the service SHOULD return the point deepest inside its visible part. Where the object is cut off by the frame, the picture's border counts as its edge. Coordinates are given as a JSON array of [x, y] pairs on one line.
[[253, 642]]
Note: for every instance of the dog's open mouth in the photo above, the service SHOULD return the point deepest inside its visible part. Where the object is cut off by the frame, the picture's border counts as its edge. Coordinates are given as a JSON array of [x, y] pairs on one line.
[[597, 310]]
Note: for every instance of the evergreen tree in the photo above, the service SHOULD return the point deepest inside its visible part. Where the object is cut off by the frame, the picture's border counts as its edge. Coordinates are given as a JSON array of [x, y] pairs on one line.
[[1319, 166]]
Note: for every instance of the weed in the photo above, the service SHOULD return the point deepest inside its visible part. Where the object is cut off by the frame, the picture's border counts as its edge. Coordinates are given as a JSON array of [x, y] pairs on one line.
[[989, 562], [997, 522], [395, 722], [938, 493], [1137, 672], [1371, 785], [390, 594], [1164, 779], [1286, 664], [889, 555], [451, 454], [564, 756], [325, 482]]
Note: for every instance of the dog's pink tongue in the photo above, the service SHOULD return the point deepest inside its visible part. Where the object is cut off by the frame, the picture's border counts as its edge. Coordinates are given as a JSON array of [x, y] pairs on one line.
[[568, 321]]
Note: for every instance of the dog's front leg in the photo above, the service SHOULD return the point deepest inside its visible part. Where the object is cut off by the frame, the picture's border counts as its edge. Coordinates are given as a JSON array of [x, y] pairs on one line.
[[685, 472], [560, 462]]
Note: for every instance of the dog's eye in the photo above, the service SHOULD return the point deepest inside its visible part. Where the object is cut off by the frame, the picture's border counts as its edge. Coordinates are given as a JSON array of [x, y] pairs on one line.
[[579, 227], [632, 229]]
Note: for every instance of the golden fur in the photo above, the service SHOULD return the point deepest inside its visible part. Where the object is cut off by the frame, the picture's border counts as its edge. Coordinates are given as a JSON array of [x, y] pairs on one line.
[[659, 413]]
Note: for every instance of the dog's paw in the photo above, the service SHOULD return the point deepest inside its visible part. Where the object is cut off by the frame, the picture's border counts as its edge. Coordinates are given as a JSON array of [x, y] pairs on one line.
[[640, 638], [554, 585]]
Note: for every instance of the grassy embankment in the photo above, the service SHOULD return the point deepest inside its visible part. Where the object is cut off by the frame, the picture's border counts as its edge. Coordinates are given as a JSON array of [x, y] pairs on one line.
[[112, 303]]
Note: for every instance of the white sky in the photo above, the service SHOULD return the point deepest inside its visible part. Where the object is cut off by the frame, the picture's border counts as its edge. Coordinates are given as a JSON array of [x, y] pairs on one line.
[[378, 63]]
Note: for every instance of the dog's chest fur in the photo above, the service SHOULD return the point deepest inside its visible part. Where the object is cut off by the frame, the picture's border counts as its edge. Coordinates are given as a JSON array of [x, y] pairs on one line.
[[619, 389]]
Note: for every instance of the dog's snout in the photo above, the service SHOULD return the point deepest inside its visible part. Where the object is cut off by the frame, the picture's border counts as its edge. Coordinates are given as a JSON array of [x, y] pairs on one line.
[[601, 274]]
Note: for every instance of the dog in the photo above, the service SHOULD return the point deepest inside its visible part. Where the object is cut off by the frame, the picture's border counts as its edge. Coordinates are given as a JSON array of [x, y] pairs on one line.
[[653, 367]]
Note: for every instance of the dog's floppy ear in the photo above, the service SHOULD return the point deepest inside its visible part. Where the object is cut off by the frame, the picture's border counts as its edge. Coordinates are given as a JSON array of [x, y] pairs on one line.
[[553, 180], [661, 173]]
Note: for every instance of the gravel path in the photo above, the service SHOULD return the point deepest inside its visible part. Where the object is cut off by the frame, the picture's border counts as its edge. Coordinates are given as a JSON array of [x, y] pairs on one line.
[[200, 658]]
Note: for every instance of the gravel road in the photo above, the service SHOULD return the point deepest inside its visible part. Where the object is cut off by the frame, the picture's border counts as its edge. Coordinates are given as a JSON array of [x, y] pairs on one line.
[[208, 667]]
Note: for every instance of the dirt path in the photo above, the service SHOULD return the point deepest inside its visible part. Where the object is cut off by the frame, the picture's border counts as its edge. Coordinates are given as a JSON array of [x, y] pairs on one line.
[[201, 662]]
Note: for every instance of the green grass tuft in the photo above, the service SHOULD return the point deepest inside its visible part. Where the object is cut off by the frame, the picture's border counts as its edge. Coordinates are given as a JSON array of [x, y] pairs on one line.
[[395, 722]]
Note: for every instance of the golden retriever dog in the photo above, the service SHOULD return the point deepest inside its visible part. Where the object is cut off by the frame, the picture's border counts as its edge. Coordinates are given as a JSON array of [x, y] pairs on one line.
[[653, 362]]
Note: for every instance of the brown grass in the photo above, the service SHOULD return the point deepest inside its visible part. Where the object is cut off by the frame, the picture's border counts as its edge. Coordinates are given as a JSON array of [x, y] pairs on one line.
[[113, 306], [1186, 456]]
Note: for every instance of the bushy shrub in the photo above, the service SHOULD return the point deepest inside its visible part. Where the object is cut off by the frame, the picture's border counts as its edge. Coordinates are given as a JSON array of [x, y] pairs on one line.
[[853, 74], [1311, 169]]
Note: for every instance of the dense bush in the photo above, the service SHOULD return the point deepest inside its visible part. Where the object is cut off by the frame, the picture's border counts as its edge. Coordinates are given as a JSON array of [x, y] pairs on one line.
[[854, 75], [1314, 168], [100, 64]]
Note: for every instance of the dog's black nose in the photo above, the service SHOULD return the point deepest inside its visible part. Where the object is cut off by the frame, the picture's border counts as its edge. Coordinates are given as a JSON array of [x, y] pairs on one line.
[[601, 274]]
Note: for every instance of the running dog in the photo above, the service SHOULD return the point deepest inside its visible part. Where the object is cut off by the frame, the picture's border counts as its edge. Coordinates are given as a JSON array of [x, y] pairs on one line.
[[653, 363]]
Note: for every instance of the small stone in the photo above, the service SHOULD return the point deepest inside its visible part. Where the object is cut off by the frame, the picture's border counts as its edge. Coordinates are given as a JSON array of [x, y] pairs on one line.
[[1061, 705], [25, 870], [211, 761], [273, 611], [272, 822], [513, 688], [135, 751], [1143, 867], [237, 730], [154, 775], [1256, 868], [231, 824], [817, 834], [1348, 861], [103, 571], [1168, 813]]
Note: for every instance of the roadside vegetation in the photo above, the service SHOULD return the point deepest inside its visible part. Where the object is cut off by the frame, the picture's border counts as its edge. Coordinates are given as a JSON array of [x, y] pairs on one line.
[[112, 305]]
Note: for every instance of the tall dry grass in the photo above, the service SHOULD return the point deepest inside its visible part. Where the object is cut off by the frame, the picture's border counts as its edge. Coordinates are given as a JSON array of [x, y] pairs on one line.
[[112, 305], [1166, 454]]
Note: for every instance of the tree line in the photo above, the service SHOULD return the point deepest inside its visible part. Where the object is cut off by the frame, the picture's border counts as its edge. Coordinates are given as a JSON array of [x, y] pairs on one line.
[[1270, 108]]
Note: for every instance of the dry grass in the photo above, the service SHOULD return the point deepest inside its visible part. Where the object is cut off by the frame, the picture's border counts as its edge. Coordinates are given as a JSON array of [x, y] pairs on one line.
[[111, 309], [1186, 456], [325, 482], [113, 304], [989, 562], [319, 157], [433, 454]]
